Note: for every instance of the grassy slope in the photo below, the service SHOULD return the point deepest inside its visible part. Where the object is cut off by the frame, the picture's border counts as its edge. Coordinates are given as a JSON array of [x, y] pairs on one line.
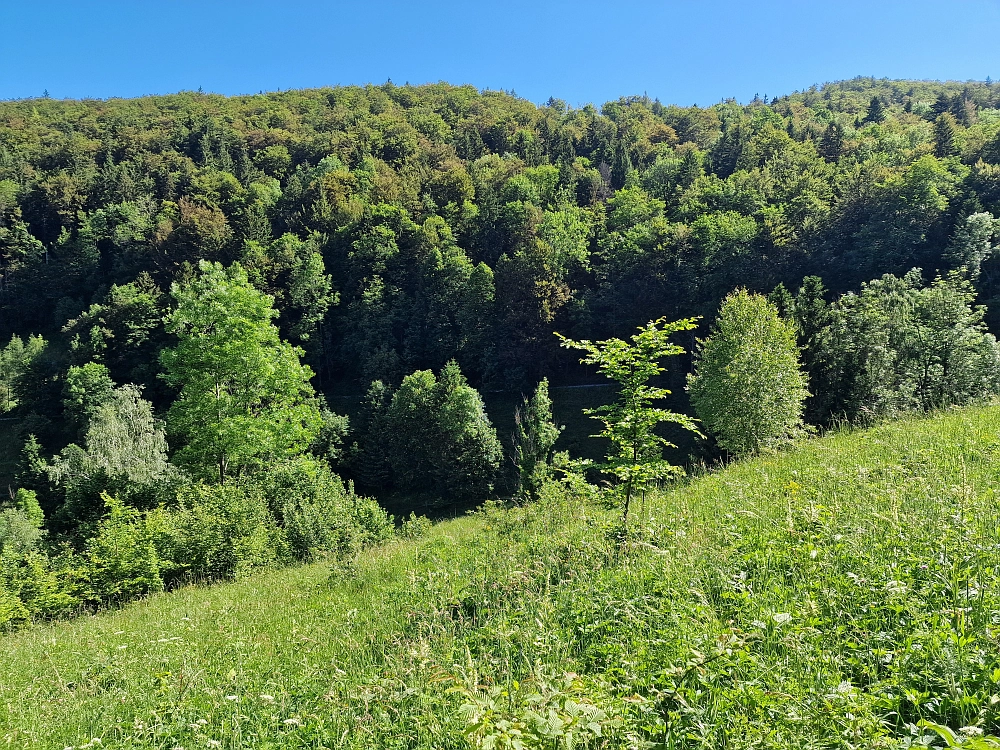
[[824, 598]]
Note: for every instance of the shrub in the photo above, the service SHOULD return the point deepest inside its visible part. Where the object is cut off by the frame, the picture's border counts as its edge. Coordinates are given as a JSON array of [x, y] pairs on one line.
[[43, 587], [21, 526], [122, 559], [318, 513], [218, 531], [414, 527]]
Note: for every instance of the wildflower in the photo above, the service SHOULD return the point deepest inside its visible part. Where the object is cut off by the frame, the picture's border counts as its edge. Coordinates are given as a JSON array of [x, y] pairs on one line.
[[267, 698], [213, 743], [232, 697], [781, 617], [293, 722]]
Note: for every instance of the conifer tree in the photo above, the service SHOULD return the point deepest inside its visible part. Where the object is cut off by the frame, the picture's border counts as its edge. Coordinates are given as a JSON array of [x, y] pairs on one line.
[[534, 436], [944, 135], [876, 111]]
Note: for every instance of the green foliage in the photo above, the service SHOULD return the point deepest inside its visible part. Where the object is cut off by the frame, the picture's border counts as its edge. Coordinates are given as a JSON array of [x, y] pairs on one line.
[[841, 594], [747, 387], [121, 558], [944, 135], [218, 532], [86, 389], [972, 243], [124, 453], [15, 366], [414, 527], [21, 525], [243, 398], [535, 434], [900, 345], [629, 423], [435, 435], [330, 440], [318, 514]]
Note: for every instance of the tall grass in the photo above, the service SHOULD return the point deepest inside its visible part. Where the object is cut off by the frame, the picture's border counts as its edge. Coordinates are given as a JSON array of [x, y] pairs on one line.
[[834, 596]]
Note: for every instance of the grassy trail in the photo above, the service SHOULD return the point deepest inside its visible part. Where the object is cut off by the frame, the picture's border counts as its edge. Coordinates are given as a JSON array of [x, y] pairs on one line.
[[827, 597]]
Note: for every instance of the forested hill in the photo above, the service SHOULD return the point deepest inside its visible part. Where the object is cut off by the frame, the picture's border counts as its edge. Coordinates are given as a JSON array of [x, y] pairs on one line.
[[398, 227]]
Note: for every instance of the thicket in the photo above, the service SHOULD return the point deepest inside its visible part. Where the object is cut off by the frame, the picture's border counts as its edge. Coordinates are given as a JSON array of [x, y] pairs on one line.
[[240, 492]]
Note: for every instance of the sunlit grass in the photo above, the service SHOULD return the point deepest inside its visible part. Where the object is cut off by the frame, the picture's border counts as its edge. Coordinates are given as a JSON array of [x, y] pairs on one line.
[[832, 596]]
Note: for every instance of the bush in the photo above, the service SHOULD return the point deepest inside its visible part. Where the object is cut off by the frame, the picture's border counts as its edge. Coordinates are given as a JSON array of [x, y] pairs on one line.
[[218, 531], [415, 527], [21, 526], [318, 513], [122, 560], [42, 586]]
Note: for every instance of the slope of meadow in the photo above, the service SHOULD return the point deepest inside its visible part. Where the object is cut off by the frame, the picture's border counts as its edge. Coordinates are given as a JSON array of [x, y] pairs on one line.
[[832, 596]]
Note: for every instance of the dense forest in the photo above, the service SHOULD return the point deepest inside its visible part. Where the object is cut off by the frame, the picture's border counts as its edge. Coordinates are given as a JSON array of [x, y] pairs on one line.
[[187, 281]]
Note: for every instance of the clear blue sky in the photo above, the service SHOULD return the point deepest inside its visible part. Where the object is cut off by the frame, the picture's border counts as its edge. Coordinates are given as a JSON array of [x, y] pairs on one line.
[[681, 51]]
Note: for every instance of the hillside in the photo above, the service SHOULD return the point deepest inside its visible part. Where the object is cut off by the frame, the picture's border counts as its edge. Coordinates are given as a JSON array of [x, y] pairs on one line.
[[831, 596], [397, 228]]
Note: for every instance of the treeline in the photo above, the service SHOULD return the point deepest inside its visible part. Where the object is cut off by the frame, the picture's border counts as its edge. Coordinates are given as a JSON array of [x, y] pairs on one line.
[[183, 277], [401, 227]]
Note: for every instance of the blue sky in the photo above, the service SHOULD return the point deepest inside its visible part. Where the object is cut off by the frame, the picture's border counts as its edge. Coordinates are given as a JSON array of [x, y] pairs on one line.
[[680, 51]]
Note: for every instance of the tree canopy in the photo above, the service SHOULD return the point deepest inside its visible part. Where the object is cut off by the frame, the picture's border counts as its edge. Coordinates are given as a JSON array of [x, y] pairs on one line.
[[243, 395]]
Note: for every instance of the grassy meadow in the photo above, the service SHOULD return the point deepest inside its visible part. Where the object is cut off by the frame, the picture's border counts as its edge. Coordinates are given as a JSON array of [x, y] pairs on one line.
[[830, 597]]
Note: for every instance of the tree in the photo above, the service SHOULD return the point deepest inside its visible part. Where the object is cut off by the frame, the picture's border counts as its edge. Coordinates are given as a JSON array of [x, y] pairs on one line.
[[876, 111], [86, 389], [439, 437], [782, 300], [747, 387], [833, 142], [972, 243], [636, 459], [534, 436], [123, 452], [244, 397], [945, 128], [900, 345], [15, 364]]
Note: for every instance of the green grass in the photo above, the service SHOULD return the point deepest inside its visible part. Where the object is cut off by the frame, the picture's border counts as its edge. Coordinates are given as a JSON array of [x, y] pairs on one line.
[[829, 597]]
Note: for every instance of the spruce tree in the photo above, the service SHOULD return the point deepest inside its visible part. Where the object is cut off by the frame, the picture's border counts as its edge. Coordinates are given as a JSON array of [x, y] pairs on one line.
[[876, 111], [534, 436], [944, 135]]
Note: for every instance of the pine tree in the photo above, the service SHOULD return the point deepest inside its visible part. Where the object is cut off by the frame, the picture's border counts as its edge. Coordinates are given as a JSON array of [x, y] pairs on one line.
[[782, 300], [833, 142], [876, 111]]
